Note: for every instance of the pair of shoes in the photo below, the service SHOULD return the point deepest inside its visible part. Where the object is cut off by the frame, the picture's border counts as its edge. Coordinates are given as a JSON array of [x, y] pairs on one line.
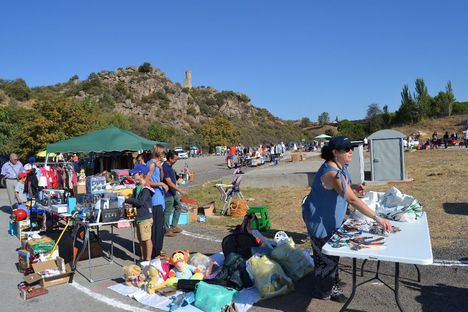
[[337, 294], [170, 233], [176, 229]]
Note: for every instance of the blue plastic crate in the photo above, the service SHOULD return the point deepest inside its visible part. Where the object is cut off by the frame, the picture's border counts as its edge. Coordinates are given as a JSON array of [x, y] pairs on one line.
[[183, 219]]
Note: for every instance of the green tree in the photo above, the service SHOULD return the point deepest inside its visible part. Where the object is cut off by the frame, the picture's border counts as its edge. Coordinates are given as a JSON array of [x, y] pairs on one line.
[[219, 131], [423, 100], [18, 89], [112, 119], [386, 116], [450, 97], [305, 122], [157, 132], [54, 121], [374, 118], [145, 68], [323, 118], [353, 131], [407, 111]]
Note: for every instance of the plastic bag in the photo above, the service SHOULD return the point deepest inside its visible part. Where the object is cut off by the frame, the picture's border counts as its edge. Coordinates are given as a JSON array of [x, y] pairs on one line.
[[269, 277], [295, 262], [213, 298], [203, 263], [40, 245]]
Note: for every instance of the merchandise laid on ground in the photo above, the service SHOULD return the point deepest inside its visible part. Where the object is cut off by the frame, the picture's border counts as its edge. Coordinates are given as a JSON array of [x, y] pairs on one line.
[[249, 267]]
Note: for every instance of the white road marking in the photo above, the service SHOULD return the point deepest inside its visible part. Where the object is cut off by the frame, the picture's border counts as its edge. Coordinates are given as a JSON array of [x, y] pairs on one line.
[[109, 301], [201, 236], [450, 263]]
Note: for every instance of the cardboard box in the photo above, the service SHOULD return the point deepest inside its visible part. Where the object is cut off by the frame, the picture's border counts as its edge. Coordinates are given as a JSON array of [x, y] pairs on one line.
[[95, 185], [60, 208], [79, 189], [16, 228], [297, 157], [49, 281]]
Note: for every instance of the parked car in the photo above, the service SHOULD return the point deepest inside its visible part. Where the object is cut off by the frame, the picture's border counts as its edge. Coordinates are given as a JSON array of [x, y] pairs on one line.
[[181, 153]]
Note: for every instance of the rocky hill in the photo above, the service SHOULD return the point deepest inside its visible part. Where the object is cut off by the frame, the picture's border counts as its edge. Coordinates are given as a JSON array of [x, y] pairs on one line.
[[146, 96]]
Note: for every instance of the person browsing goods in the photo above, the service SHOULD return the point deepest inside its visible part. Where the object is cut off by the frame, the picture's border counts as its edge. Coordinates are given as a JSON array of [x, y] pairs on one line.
[[10, 170], [172, 197], [154, 178], [323, 211], [144, 218]]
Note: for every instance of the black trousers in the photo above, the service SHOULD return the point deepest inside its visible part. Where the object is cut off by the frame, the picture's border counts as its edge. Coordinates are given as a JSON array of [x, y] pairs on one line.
[[326, 269], [158, 230]]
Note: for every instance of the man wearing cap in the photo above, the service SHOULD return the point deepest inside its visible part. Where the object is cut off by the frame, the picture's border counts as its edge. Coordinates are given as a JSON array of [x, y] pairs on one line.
[[323, 211], [10, 171], [31, 164]]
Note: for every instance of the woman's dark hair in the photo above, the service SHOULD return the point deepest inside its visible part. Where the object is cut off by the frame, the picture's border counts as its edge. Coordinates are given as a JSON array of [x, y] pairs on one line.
[[327, 153]]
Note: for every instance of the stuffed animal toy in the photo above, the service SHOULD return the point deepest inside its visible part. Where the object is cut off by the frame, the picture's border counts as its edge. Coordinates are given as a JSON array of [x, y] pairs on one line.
[[162, 266], [133, 275], [155, 280], [182, 270], [82, 177]]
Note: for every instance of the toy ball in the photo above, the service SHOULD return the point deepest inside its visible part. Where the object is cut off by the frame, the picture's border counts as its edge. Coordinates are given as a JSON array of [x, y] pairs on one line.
[[20, 214]]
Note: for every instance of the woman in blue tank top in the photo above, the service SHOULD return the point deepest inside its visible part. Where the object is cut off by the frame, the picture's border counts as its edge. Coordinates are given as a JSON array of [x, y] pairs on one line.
[[324, 209]]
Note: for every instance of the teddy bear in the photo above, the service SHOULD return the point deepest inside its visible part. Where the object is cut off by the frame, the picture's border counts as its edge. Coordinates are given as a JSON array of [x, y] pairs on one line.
[[155, 281], [82, 177], [182, 270], [133, 275]]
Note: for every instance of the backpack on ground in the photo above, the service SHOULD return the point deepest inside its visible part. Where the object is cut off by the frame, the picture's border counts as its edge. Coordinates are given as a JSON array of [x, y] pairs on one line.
[[234, 272], [240, 243]]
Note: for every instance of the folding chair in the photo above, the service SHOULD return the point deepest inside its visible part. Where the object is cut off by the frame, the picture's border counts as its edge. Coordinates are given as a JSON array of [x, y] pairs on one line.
[[228, 192]]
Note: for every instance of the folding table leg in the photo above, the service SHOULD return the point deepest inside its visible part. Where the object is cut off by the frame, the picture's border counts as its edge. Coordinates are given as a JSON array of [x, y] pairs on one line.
[[112, 244], [89, 254], [133, 242], [419, 273], [397, 285], [353, 289], [362, 267]]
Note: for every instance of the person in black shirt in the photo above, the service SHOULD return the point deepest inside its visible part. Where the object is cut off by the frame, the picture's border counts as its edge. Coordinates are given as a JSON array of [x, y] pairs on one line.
[[144, 219]]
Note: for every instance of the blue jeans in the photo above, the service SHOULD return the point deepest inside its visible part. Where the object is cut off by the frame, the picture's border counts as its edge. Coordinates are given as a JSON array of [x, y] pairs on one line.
[[172, 206]]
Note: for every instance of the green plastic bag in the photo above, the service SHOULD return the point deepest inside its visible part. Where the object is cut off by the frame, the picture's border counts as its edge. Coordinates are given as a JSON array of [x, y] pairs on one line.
[[213, 298], [294, 261]]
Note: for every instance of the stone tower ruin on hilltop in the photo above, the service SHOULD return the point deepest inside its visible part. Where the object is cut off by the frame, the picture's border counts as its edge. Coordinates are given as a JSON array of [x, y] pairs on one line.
[[188, 79]]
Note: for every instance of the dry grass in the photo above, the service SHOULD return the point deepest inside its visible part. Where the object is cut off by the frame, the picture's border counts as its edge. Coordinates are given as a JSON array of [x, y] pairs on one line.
[[427, 127], [440, 183]]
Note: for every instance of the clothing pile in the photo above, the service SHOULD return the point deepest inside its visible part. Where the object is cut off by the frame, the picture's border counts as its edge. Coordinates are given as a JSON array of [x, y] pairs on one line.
[[392, 205]]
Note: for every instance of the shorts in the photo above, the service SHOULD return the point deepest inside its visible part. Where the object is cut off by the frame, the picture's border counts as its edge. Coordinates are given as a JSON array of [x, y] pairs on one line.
[[144, 229]]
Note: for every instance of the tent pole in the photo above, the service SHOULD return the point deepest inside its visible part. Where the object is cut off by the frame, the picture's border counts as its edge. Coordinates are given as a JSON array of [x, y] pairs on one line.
[[46, 158]]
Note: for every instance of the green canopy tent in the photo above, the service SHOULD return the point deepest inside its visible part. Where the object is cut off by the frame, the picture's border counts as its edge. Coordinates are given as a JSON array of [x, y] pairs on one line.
[[107, 140]]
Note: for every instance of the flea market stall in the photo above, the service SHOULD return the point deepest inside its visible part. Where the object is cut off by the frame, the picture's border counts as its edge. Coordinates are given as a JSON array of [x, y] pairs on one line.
[[61, 199]]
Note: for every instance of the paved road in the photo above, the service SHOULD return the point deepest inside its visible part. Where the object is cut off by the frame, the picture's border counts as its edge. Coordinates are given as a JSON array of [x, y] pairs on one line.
[[207, 168]]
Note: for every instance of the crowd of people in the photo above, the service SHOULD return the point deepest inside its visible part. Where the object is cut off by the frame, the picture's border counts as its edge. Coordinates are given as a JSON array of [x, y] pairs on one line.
[[248, 155], [435, 141]]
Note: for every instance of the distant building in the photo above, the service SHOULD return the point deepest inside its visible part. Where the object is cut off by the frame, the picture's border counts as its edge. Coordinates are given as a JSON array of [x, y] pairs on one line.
[[188, 79]]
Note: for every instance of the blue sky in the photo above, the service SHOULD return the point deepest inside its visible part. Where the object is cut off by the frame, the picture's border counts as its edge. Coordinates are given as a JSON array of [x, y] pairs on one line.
[[295, 58]]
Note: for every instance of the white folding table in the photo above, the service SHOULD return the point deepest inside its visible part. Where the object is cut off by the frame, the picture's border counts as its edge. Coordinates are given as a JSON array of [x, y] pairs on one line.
[[411, 245]]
